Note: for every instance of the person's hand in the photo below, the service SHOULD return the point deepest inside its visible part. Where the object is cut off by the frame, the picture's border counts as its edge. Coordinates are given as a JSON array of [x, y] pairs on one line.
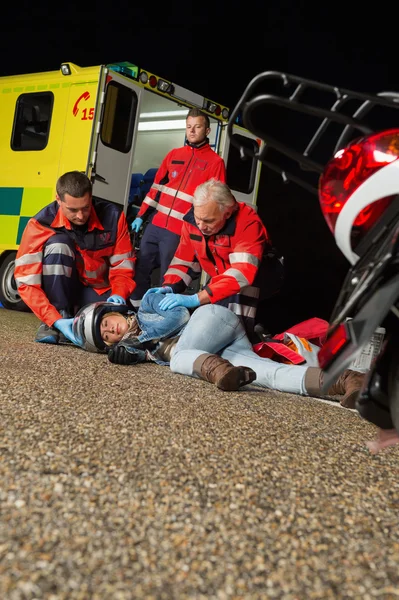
[[120, 356], [136, 225], [159, 290], [173, 300], [115, 299], [65, 326]]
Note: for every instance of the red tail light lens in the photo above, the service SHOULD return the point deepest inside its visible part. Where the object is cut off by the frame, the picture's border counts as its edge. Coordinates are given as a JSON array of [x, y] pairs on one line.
[[333, 346], [349, 168]]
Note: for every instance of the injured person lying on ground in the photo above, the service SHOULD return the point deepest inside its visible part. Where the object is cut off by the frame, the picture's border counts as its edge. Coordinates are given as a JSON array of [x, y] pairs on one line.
[[210, 344]]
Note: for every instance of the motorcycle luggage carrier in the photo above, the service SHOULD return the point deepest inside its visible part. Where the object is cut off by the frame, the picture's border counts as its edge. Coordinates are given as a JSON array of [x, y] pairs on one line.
[[320, 118]]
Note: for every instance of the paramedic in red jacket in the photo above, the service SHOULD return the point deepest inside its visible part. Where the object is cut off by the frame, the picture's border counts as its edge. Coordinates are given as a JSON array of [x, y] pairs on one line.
[[75, 251], [227, 240], [170, 198]]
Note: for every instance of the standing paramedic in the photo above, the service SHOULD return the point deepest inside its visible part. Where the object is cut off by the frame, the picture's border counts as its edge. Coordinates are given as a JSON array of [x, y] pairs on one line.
[[228, 241], [170, 198], [76, 250]]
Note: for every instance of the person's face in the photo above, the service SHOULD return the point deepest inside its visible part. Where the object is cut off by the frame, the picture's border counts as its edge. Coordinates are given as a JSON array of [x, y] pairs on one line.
[[196, 130], [210, 218], [113, 327], [76, 210]]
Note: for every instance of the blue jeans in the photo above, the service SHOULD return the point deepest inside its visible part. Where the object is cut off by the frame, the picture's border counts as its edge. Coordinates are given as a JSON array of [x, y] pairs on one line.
[[157, 248], [215, 329]]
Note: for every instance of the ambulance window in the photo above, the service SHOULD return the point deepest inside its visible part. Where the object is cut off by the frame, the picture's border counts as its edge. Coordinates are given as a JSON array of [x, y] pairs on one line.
[[241, 172], [119, 115], [32, 121]]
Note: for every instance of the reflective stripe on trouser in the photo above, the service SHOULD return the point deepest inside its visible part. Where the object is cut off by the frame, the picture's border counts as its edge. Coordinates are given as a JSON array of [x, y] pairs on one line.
[[213, 329], [157, 248], [60, 280], [244, 305]]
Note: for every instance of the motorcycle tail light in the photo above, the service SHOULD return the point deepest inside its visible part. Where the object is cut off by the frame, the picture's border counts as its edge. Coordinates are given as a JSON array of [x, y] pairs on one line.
[[349, 168], [333, 346]]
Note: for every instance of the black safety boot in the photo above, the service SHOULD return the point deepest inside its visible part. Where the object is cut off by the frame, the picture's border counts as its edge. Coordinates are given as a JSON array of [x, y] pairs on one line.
[[50, 335], [47, 335]]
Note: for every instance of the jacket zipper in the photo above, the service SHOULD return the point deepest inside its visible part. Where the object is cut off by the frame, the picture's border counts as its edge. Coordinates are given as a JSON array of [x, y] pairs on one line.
[[178, 189]]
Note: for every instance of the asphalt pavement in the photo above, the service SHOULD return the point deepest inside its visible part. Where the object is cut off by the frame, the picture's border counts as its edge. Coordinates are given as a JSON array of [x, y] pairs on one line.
[[132, 482]]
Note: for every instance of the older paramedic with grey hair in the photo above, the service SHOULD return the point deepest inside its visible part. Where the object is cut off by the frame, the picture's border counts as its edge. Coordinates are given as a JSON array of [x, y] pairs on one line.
[[228, 241]]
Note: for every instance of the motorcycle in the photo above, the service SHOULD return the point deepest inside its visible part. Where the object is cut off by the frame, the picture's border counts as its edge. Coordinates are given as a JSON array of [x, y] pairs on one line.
[[342, 146]]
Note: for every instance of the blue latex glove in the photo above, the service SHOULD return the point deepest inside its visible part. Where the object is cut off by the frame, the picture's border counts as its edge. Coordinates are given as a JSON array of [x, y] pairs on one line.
[[159, 290], [65, 326], [173, 300], [136, 225], [116, 299]]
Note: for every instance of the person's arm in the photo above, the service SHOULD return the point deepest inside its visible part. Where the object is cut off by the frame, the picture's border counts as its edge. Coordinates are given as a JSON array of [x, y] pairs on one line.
[[150, 202], [122, 262], [219, 170], [28, 272], [245, 258], [184, 266]]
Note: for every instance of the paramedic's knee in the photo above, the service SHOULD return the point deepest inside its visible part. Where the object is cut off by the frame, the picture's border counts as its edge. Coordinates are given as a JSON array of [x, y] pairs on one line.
[[59, 249]]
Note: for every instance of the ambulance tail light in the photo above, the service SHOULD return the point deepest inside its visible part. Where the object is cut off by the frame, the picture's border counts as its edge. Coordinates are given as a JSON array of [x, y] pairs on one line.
[[333, 346], [153, 81], [349, 168], [66, 69], [213, 108], [165, 86]]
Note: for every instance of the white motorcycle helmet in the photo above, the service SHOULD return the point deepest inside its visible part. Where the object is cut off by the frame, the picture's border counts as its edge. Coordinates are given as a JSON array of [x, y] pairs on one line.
[[86, 324]]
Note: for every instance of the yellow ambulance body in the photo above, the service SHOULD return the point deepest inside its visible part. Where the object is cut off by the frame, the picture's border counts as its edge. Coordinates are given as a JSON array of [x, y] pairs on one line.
[[99, 120]]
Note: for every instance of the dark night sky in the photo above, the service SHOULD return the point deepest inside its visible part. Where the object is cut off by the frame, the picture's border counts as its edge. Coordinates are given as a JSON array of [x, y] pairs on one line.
[[215, 49]]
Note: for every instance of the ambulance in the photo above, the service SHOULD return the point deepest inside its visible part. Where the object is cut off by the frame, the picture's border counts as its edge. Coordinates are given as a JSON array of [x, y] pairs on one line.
[[114, 122]]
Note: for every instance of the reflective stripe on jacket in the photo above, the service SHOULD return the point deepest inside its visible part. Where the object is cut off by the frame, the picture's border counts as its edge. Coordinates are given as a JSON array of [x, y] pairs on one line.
[[231, 258], [104, 261], [181, 171]]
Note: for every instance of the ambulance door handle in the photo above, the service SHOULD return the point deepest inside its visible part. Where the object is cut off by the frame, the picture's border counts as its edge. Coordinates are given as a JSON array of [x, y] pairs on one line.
[[100, 178]]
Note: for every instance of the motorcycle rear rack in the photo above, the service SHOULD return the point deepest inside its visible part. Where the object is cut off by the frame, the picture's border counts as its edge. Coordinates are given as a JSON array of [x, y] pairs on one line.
[[350, 110]]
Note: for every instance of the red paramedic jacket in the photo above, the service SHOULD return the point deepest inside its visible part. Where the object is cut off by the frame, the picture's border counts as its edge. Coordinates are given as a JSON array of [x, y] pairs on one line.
[[181, 171], [231, 258], [106, 262]]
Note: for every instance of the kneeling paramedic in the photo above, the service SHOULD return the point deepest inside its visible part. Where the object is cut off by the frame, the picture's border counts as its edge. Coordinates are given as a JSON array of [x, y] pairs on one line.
[[228, 241], [74, 251]]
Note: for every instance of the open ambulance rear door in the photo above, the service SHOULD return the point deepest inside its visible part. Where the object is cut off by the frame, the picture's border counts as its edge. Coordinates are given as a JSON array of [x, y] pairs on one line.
[[114, 136], [242, 173]]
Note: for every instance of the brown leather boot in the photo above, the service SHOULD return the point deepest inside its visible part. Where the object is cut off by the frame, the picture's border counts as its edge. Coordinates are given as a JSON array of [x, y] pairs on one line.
[[348, 385], [222, 373]]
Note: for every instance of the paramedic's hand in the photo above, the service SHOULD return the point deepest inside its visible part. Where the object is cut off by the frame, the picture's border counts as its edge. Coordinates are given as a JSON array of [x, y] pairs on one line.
[[136, 225], [120, 356], [115, 299], [159, 290], [65, 326], [173, 300]]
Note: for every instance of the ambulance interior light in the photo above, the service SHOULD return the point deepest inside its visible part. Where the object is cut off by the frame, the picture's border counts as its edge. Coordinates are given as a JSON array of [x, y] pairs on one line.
[[164, 114], [168, 125]]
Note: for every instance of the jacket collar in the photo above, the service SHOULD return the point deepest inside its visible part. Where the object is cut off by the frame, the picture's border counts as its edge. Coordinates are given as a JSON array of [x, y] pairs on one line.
[[229, 227], [198, 146], [61, 221]]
